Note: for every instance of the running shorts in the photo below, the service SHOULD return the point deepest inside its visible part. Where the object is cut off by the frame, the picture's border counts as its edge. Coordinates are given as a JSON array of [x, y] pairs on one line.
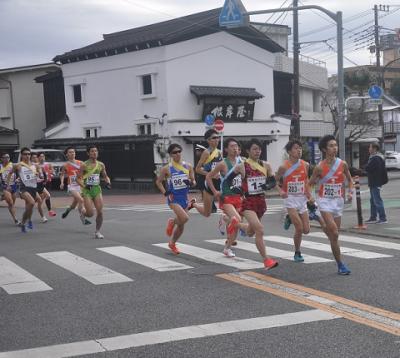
[[217, 185], [91, 193], [32, 191], [334, 206], [255, 203], [74, 188], [181, 200], [296, 202], [235, 200], [40, 187], [13, 187]]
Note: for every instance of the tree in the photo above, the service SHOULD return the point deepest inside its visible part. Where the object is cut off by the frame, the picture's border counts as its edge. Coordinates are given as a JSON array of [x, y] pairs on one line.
[[395, 89], [358, 81]]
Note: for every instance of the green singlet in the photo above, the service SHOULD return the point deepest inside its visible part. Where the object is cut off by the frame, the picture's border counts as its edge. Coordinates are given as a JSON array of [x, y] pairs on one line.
[[91, 178]]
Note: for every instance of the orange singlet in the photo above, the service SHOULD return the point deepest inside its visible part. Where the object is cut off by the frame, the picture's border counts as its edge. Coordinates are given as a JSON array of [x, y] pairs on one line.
[[332, 188], [72, 170], [294, 183]]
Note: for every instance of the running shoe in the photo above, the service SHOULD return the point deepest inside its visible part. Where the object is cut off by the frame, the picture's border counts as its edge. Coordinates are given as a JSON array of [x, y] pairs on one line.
[[221, 224], [87, 222], [371, 221], [17, 223], [173, 248], [287, 223], [65, 213], [232, 225], [30, 225], [98, 235], [23, 228], [270, 263], [229, 253], [342, 269], [298, 257], [380, 221], [170, 227], [192, 202], [52, 213], [44, 220]]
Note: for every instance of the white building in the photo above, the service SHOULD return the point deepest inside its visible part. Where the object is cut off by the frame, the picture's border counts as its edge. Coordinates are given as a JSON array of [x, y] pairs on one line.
[[150, 86]]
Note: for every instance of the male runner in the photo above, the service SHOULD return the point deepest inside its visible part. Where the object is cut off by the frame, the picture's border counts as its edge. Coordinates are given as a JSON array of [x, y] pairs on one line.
[[294, 175], [41, 188], [8, 195], [179, 176], [257, 176], [330, 175], [89, 176], [71, 171], [27, 172], [49, 172], [208, 160], [229, 193]]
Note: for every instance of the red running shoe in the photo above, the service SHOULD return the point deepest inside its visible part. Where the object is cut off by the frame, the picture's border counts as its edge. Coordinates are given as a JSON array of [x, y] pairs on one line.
[[170, 227], [173, 248], [270, 263], [52, 213], [190, 206]]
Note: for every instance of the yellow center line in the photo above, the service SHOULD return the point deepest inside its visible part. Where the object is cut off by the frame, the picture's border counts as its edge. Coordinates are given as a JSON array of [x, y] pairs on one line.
[[355, 311]]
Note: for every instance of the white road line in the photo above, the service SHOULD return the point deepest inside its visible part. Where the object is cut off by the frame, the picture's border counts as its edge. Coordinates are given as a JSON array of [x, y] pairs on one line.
[[15, 280], [361, 241], [283, 254], [90, 271], [144, 259], [171, 335], [327, 248], [216, 257]]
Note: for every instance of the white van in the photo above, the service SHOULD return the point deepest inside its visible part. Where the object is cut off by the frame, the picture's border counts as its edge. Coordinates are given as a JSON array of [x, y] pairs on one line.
[[55, 157]]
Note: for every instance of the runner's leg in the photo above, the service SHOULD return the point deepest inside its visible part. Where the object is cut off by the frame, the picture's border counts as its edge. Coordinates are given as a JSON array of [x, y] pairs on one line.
[[98, 204], [206, 208], [8, 197], [29, 204], [333, 234]]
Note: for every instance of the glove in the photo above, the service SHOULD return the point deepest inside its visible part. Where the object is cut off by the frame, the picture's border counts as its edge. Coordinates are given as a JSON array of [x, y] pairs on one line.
[[187, 182], [168, 192], [270, 183]]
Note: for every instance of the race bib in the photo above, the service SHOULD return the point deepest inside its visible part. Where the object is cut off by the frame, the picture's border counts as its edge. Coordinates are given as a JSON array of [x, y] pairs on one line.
[[295, 188], [254, 185], [237, 182], [73, 180], [332, 191], [178, 181], [93, 179]]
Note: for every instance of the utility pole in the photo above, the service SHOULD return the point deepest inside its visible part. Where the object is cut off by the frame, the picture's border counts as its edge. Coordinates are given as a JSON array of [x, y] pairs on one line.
[[295, 125], [381, 80]]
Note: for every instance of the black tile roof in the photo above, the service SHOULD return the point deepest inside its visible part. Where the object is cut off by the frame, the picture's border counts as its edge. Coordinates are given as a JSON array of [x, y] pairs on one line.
[[214, 91], [166, 33], [4, 130]]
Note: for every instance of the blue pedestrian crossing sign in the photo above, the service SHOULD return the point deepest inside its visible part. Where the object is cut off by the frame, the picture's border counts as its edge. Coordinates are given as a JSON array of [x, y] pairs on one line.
[[233, 14], [209, 119], [375, 92]]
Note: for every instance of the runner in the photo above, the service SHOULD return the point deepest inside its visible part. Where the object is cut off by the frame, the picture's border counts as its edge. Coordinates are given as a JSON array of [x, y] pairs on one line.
[[257, 176], [27, 172], [294, 176], [89, 176], [229, 194], [208, 160], [41, 189], [49, 173], [8, 195], [71, 171], [330, 175], [180, 176]]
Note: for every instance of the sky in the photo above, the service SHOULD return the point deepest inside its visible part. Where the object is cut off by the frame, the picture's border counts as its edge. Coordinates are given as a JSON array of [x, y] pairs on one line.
[[34, 31]]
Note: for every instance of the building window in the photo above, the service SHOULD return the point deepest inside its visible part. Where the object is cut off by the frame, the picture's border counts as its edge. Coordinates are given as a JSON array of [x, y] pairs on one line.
[[145, 129], [92, 132], [78, 95], [147, 86]]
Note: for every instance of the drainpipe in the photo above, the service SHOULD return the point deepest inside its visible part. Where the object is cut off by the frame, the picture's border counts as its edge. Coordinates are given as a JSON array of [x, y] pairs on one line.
[[12, 106]]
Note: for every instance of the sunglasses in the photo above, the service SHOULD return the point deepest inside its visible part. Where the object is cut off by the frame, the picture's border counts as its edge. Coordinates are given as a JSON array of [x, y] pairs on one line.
[[26, 153], [176, 152], [215, 137]]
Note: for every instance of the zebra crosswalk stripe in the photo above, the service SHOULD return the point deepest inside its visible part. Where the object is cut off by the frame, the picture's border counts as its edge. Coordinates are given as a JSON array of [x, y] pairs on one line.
[[283, 254], [327, 248], [216, 257], [144, 259], [90, 271], [15, 280], [361, 240]]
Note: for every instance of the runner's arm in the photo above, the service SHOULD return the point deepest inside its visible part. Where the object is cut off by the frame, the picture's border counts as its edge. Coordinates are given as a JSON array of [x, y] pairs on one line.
[[62, 175], [314, 178], [14, 170], [218, 168], [279, 176], [199, 167], [79, 178], [349, 180], [103, 173], [307, 188], [160, 179], [191, 176]]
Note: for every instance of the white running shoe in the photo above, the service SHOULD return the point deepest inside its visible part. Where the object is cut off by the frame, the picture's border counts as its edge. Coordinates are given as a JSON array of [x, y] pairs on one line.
[[98, 235], [229, 253], [44, 220]]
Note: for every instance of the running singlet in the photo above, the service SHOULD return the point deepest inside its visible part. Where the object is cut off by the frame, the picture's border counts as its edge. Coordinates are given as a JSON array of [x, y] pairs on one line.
[[4, 172], [294, 183], [332, 188], [233, 187], [72, 170], [47, 171], [213, 159], [92, 175], [255, 178], [28, 175], [177, 182]]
